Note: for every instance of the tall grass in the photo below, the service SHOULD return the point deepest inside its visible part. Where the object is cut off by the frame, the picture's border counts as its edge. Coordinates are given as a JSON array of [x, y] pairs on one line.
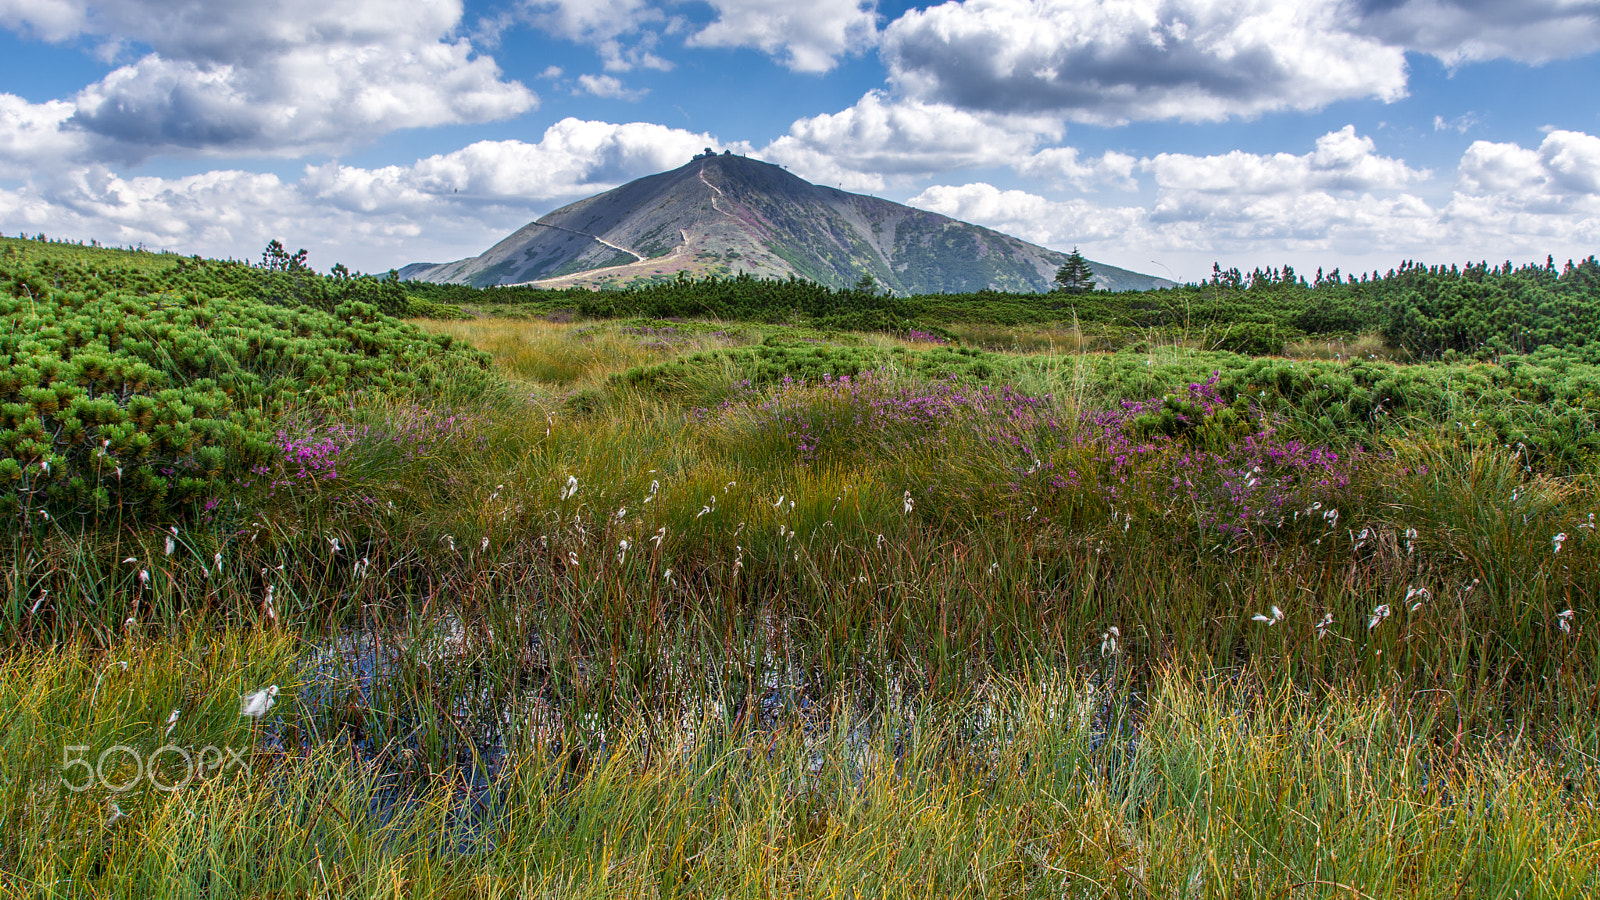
[[582, 355], [1035, 786]]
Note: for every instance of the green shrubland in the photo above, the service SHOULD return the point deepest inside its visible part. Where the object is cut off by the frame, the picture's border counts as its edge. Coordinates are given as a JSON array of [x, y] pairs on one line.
[[126, 392]]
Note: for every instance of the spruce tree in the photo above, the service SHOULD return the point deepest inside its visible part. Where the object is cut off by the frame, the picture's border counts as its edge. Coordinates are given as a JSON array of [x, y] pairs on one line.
[[1075, 276]]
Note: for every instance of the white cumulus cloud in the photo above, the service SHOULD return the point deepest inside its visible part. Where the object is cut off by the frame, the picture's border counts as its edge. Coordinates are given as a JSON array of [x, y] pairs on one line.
[[230, 77], [1048, 222], [51, 20], [1063, 165], [1342, 160], [590, 20], [608, 86], [1122, 60], [808, 38], [621, 30], [1463, 31], [31, 134], [1553, 183], [877, 137]]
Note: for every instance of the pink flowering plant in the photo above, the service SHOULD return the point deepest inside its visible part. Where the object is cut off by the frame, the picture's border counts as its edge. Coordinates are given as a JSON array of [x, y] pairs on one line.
[[355, 464], [1223, 462], [977, 449]]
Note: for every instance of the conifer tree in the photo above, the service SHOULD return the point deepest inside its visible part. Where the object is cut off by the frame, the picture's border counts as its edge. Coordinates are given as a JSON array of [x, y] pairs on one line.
[[1075, 276]]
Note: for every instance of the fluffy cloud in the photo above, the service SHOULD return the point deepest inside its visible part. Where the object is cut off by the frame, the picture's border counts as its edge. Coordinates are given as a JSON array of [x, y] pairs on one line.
[[1340, 204], [52, 20], [590, 20], [1029, 216], [1342, 160], [1199, 60], [443, 207], [876, 137], [604, 24], [608, 86], [807, 39], [32, 133], [1544, 190], [1459, 31], [1545, 199], [1139, 59], [236, 78], [1062, 165]]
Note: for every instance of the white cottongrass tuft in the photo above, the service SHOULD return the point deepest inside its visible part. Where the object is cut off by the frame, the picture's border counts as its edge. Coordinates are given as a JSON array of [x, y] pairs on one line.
[[1420, 594], [572, 558], [255, 704], [172, 722], [1378, 615], [1564, 621], [571, 488], [1558, 540], [1108, 641], [910, 504], [1275, 618], [1323, 624]]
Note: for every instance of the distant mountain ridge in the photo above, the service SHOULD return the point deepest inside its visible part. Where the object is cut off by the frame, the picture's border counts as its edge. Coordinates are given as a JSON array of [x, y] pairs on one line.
[[723, 215]]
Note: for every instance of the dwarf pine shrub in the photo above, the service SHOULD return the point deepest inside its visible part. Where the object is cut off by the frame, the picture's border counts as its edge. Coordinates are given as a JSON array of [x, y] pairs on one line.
[[149, 398]]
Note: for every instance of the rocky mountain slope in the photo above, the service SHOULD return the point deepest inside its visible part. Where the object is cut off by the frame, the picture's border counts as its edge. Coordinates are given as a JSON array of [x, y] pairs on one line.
[[730, 214]]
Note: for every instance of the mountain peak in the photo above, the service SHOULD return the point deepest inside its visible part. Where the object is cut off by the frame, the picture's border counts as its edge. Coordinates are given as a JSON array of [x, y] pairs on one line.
[[723, 214]]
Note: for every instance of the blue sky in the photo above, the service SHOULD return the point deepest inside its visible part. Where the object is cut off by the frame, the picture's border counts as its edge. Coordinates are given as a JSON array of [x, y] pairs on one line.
[[1159, 135]]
